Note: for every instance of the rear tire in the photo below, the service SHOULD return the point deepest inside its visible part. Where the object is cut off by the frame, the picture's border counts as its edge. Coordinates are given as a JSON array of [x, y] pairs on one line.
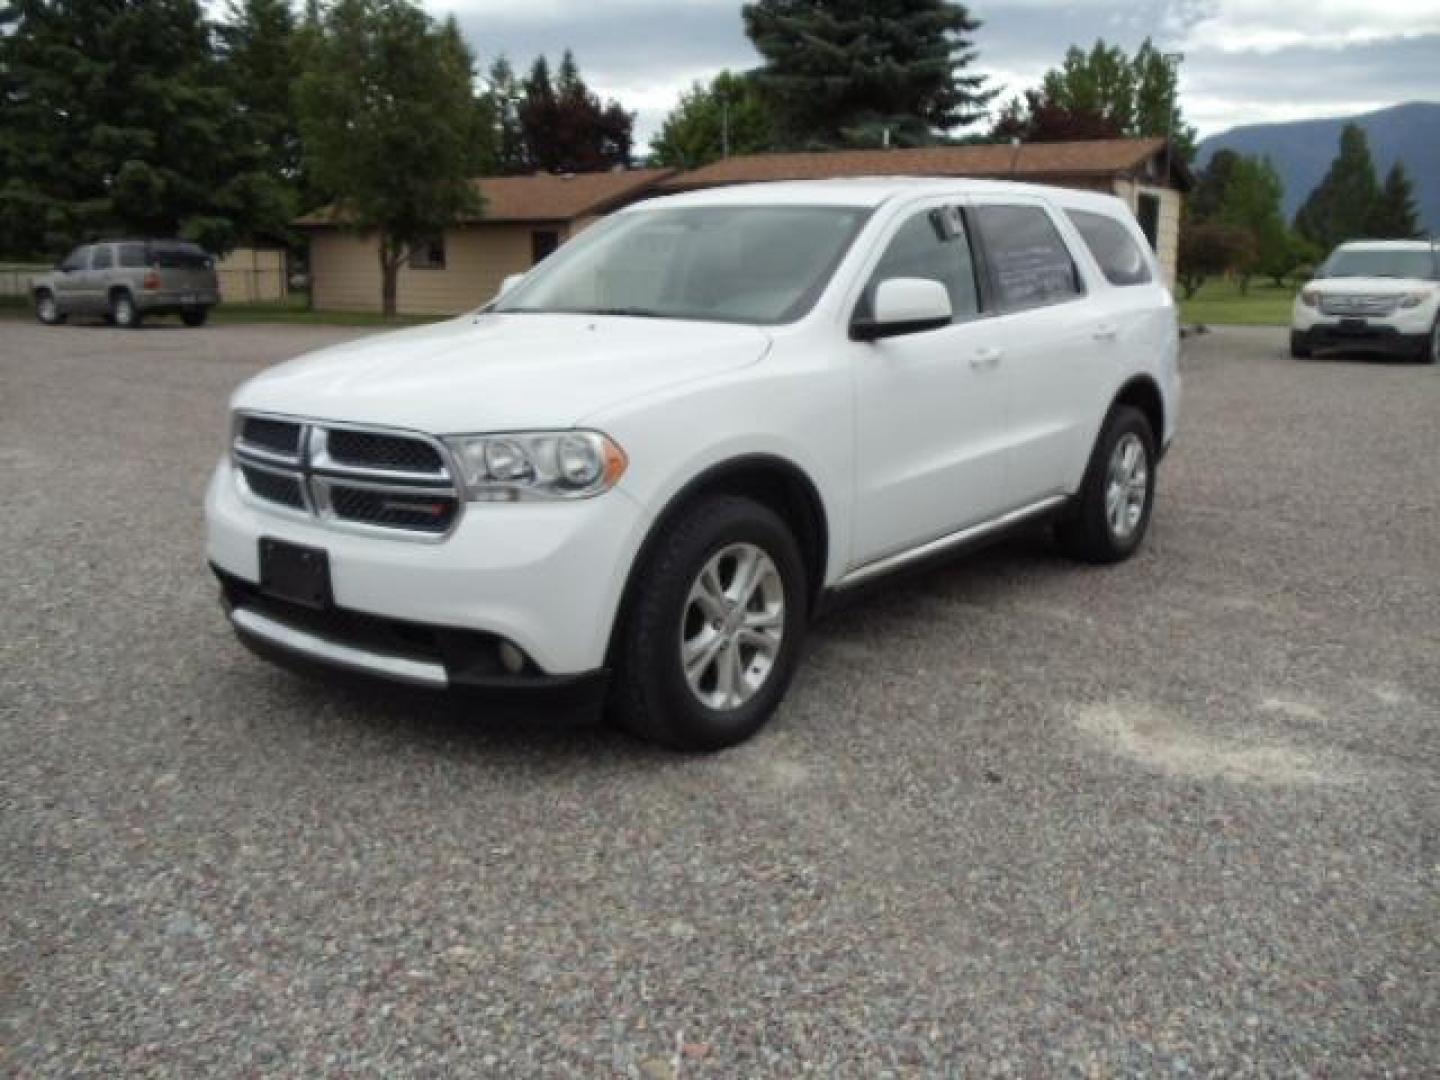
[[713, 630], [1299, 347], [123, 312], [194, 316], [46, 308], [1112, 511]]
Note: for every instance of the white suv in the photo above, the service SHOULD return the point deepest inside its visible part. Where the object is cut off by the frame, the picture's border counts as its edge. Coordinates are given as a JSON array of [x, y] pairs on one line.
[[1372, 295], [648, 464]]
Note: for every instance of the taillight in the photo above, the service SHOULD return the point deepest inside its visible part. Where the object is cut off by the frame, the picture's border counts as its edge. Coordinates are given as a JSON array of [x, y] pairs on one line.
[[152, 279]]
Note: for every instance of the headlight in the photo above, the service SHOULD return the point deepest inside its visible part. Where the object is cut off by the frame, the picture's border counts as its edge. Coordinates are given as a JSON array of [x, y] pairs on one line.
[[537, 465], [1309, 297], [1416, 298]]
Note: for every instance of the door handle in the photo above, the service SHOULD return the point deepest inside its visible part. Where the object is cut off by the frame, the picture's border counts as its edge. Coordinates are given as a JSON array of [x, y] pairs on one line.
[[986, 358], [1105, 332]]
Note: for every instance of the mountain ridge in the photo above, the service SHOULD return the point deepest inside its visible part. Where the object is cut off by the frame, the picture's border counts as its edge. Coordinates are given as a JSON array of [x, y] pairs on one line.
[[1301, 151]]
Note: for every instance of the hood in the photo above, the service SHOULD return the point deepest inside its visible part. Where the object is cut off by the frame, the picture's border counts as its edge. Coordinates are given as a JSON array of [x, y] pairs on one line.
[[499, 372], [1369, 286]]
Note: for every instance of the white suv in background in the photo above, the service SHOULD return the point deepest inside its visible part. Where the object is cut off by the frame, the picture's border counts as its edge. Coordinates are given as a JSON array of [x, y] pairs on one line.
[[647, 466], [1372, 295]]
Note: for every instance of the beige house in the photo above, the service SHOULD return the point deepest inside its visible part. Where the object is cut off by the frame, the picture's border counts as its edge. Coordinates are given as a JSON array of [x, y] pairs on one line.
[[524, 218], [1143, 172], [527, 217]]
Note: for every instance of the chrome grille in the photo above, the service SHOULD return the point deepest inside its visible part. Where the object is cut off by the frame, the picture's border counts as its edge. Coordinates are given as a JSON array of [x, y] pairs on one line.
[[349, 477], [1358, 305]]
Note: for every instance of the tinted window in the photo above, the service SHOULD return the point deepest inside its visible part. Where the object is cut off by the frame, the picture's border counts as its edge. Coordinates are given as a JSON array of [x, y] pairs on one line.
[[747, 264], [1110, 242], [924, 247], [179, 257], [132, 255], [1029, 263], [103, 258]]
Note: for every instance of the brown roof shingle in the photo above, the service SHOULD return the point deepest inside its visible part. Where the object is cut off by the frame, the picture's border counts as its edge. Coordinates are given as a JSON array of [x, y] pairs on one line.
[[543, 197], [1101, 157]]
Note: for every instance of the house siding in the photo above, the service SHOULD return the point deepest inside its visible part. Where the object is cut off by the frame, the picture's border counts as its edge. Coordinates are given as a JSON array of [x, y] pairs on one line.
[[345, 269], [1168, 233]]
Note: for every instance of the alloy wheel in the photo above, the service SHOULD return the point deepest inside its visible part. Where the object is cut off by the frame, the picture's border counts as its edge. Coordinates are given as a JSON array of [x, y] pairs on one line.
[[1127, 486], [733, 626], [47, 309]]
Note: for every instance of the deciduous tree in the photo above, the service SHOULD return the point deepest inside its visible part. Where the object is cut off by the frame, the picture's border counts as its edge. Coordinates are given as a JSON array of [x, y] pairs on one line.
[[566, 127], [389, 123], [728, 116]]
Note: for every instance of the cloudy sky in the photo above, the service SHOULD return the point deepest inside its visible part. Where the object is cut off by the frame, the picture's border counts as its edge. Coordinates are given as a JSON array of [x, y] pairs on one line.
[[1246, 61]]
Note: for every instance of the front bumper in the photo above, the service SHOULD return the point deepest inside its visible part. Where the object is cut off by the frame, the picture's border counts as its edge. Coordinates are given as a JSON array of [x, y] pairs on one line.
[[544, 576], [1362, 335], [336, 642]]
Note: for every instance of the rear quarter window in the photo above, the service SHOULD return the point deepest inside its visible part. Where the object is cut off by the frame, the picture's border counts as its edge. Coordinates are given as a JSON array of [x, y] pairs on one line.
[[1120, 258], [180, 258], [132, 255]]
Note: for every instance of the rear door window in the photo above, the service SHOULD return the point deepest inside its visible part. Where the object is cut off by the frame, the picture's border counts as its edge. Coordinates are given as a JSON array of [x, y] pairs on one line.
[[132, 255], [1114, 249], [103, 259], [1029, 264]]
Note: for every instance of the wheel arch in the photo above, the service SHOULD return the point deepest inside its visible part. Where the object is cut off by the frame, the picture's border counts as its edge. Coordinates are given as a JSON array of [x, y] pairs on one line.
[[773, 481], [1143, 392]]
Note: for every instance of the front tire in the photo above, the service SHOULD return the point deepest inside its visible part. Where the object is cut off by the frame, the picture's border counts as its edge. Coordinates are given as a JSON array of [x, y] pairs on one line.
[[123, 312], [47, 310], [194, 316], [1112, 510], [1299, 346], [1430, 351], [713, 631]]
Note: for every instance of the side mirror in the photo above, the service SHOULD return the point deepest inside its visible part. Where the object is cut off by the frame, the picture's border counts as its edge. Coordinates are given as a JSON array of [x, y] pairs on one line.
[[508, 282], [905, 306]]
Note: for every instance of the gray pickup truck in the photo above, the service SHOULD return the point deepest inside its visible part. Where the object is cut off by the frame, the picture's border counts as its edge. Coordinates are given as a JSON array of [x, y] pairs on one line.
[[127, 280]]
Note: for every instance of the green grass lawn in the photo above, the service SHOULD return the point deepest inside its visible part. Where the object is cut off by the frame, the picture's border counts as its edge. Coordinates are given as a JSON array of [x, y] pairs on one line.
[[1219, 303]]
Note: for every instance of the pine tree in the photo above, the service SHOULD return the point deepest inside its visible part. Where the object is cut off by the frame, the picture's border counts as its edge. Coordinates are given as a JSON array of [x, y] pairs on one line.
[[504, 94], [117, 118], [1394, 216], [1340, 207], [846, 71]]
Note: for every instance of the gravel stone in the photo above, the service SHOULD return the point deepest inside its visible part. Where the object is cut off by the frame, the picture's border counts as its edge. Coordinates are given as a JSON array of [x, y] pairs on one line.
[[1017, 818]]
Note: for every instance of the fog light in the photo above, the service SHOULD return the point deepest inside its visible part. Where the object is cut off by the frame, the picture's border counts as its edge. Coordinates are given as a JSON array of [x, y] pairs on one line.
[[511, 658]]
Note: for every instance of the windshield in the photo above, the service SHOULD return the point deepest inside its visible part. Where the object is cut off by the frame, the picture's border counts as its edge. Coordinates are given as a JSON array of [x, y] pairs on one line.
[[1381, 262], [745, 264]]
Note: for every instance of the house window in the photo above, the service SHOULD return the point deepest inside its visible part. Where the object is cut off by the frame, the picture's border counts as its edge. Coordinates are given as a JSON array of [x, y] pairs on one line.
[[542, 243], [1147, 210], [428, 254]]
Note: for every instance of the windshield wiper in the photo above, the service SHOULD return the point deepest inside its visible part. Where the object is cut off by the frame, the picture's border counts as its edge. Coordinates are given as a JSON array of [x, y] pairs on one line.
[[627, 312]]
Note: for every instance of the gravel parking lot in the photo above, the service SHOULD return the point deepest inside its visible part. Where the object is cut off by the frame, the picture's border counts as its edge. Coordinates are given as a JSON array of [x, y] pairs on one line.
[[1016, 818]]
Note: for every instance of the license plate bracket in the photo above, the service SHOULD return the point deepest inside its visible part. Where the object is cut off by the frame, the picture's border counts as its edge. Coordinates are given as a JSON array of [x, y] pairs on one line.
[[1354, 326], [295, 573]]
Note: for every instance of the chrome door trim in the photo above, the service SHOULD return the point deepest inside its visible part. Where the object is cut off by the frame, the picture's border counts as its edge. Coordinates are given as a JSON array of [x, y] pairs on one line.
[[888, 563]]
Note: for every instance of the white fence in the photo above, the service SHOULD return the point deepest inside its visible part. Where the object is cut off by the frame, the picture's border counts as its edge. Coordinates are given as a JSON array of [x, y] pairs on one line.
[[15, 277], [247, 276]]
